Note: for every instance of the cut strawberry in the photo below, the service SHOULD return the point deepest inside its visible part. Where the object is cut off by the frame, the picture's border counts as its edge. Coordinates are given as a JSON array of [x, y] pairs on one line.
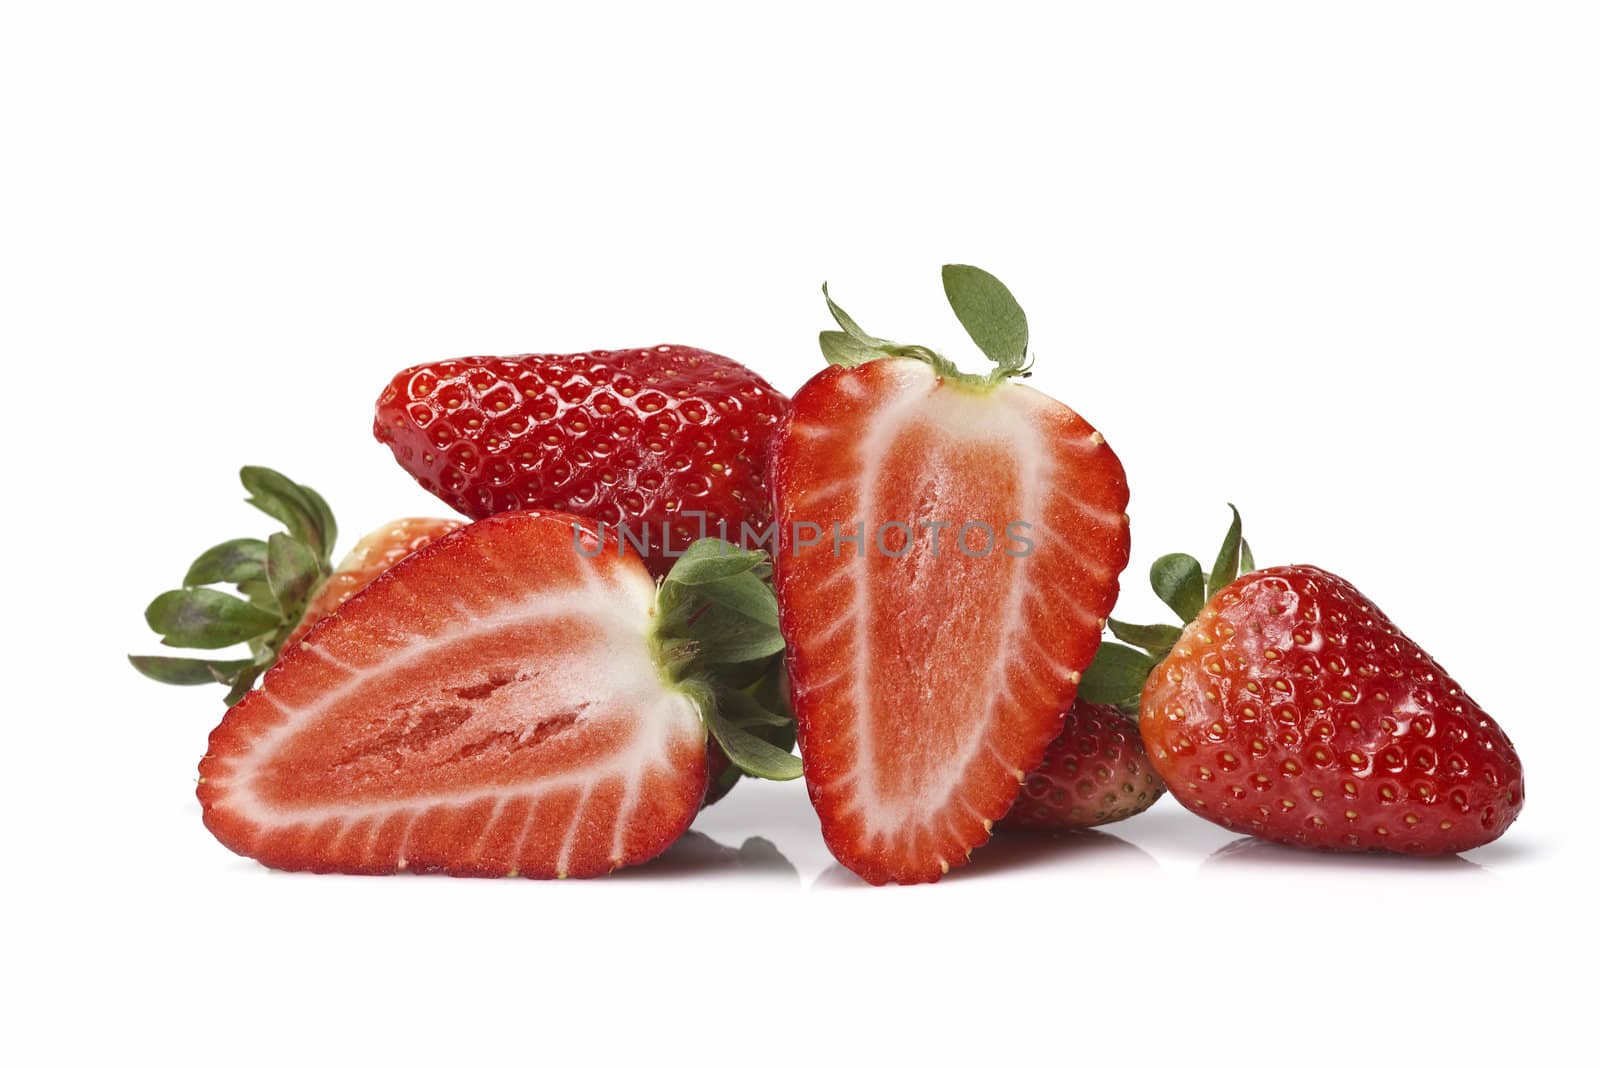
[[932, 660], [515, 698]]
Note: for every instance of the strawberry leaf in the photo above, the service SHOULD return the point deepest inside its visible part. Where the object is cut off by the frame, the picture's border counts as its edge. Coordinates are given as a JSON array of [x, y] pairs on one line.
[[258, 593], [722, 636], [327, 528], [748, 597], [1226, 569], [848, 325], [842, 350], [292, 572], [305, 517], [1181, 585], [731, 716], [1116, 677], [711, 560], [184, 671], [1157, 639], [206, 619], [1247, 559], [717, 600], [239, 560], [990, 314]]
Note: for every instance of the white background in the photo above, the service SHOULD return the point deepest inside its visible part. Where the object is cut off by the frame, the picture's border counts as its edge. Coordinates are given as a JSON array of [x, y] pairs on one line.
[[1335, 263]]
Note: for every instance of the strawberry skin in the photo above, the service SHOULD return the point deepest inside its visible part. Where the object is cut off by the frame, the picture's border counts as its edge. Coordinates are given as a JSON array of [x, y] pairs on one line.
[[372, 556], [926, 685], [1292, 709], [490, 705], [1095, 772], [641, 436]]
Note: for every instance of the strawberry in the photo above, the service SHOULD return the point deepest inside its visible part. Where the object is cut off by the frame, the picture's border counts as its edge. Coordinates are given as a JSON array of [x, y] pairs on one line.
[[200, 617], [670, 441], [1289, 707], [949, 546], [287, 583], [1095, 772], [374, 554], [506, 700]]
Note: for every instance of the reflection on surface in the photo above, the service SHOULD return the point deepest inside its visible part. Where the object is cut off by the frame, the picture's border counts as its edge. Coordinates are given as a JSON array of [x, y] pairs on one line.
[[1010, 851], [697, 853], [1258, 852]]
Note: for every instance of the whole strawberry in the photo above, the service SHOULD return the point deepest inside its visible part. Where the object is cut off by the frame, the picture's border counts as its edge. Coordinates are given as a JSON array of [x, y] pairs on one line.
[[1292, 709], [282, 585], [669, 441], [1095, 772]]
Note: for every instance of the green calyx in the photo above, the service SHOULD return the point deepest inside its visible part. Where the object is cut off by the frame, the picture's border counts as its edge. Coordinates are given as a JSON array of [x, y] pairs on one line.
[[987, 310], [716, 639], [1117, 675], [274, 580]]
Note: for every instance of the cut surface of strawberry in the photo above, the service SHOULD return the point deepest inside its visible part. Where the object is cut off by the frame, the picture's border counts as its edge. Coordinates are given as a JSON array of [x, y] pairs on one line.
[[931, 659], [496, 703]]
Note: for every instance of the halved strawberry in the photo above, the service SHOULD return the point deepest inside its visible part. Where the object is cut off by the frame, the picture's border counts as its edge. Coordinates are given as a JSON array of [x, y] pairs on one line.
[[515, 698], [932, 660]]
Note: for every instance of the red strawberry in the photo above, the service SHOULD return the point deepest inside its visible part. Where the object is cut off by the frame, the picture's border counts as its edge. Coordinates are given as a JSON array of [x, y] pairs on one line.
[[285, 594], [645, 437], [927, 677], [496, 703], [1290, 708], [286, 584], [1095, 772], [374, 554]]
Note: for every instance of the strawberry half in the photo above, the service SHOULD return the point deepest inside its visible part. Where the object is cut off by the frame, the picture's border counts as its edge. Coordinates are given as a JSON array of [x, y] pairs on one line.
[[1290, 707], [284, 588], [515, 698], [670, 440], [932, 658]]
